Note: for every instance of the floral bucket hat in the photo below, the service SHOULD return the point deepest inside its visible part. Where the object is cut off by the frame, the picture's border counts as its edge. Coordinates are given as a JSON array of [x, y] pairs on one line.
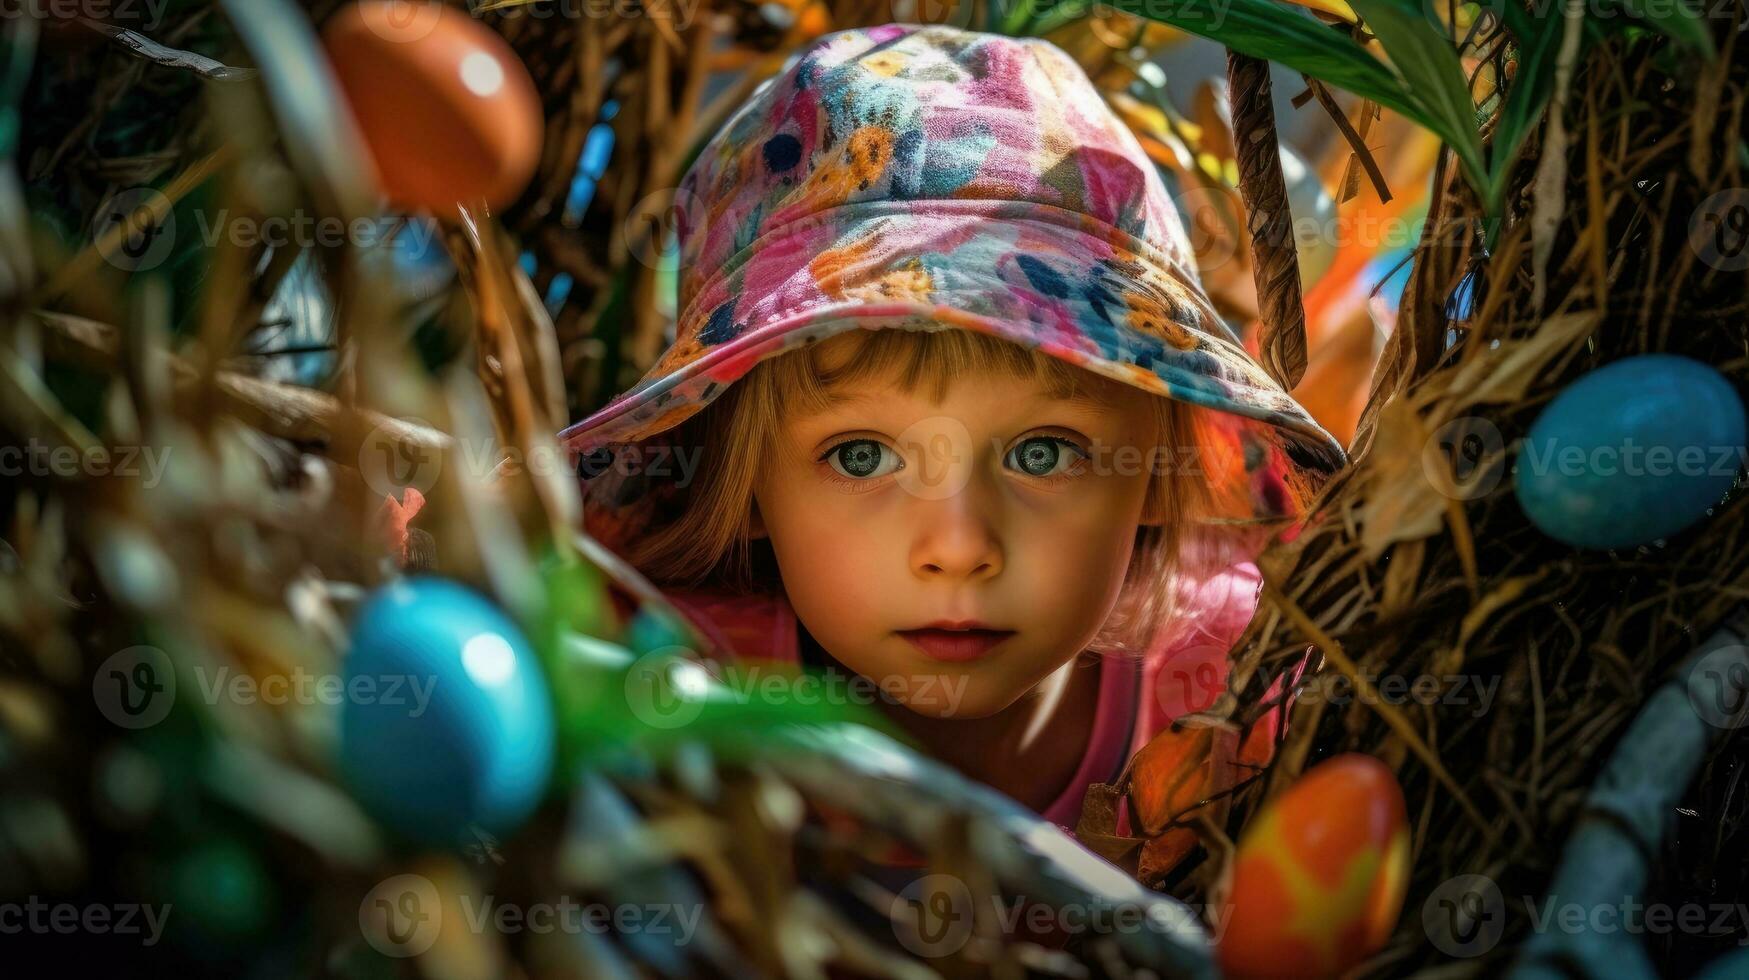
[[931, 178]]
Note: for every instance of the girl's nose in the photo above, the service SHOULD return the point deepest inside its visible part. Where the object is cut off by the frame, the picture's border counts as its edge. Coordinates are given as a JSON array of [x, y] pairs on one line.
[[956, 541]]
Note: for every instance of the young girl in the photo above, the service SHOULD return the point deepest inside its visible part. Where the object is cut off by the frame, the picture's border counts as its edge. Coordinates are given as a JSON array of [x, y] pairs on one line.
[[975, 434]]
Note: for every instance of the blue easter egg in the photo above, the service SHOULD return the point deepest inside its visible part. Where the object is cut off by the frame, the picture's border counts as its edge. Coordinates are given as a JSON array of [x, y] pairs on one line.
[[1631, 452], [446, 724]]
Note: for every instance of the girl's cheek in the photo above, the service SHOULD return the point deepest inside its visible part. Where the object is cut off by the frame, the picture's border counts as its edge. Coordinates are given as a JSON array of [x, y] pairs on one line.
[[1091, 505], [825, 529]]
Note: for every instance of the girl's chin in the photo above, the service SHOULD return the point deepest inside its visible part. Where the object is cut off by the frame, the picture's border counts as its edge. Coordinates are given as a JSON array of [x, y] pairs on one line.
[[962, 697]]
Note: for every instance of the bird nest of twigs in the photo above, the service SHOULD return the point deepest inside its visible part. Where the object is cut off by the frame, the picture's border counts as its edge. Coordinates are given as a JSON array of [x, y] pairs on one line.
[[1420, 563]]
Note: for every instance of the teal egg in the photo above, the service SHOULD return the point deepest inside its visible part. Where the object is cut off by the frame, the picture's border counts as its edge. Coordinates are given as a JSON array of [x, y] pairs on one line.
[[1632, 452], [446, 724]]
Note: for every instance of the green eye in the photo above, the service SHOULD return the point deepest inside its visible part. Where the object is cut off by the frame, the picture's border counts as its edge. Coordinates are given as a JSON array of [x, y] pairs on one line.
[[862, 459], [1043, 455]]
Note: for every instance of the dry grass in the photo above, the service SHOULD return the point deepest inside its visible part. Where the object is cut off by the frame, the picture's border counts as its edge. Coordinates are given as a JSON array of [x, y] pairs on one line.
[[1414, 569]]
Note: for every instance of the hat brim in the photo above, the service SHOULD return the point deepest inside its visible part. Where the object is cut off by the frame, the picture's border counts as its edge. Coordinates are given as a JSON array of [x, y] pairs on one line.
[[776, 290]]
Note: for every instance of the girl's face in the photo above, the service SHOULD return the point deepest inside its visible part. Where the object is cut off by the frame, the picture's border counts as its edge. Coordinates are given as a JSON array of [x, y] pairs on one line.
[[998, 505]]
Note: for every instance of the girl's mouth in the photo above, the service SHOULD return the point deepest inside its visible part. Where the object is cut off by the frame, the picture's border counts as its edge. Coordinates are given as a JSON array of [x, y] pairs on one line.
[[956, 645]]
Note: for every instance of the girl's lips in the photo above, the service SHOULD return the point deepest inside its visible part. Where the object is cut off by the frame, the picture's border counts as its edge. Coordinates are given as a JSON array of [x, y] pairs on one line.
[[956, 645]]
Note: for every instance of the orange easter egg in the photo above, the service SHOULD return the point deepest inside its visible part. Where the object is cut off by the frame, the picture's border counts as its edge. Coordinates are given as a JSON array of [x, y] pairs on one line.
[[1319, 876], [446, 108]]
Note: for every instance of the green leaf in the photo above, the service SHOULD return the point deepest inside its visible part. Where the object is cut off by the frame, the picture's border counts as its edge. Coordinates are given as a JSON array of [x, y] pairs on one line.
[[1680, 21], [1426, 83], [1049, 21], [1527, 97], [1019, 18], [1276, 32], [1426, 59]]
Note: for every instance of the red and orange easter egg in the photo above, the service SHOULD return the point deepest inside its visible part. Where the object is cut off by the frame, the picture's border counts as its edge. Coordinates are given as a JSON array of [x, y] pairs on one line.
[[447, 110], [1319, 876]]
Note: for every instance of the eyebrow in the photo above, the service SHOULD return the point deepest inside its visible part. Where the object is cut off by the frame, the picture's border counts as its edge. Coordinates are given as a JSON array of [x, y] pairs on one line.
[[1090, 404]]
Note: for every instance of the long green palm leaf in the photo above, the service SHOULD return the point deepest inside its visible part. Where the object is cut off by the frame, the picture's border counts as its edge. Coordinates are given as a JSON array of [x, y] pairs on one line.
[[1526, 99], [1276, 32], [1426, 59]]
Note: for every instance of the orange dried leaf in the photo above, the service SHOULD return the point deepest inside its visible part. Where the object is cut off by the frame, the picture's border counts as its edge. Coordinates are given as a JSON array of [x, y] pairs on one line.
[[1170, 775], [1162, 854]]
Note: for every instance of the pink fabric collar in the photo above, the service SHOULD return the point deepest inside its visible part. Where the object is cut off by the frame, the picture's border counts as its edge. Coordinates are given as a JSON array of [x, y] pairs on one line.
[[1108, 747]]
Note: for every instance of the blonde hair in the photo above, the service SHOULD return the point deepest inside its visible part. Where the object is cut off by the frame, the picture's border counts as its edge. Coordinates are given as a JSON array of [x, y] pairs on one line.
[[706, 543]]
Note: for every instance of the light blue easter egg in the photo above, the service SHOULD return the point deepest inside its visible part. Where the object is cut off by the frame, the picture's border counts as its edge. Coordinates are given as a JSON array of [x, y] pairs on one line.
[[446, 724], [1631, 452]]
